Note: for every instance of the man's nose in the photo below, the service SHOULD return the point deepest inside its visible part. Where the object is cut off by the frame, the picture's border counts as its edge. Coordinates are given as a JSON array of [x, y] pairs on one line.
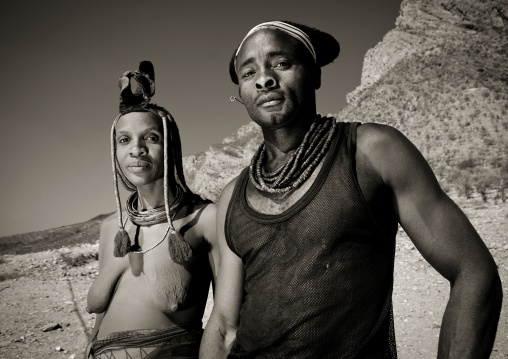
[[266, 79]]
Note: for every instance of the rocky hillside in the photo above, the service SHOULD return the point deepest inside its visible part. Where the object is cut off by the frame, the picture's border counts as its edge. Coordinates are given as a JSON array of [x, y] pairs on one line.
[[207, 173], [441, 77], [66, 236]]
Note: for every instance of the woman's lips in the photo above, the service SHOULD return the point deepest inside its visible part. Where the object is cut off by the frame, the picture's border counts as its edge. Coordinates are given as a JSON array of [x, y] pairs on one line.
[[138, 166]]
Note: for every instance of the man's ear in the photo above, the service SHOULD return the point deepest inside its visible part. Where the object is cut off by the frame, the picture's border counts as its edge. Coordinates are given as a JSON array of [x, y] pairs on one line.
[[317, 77]]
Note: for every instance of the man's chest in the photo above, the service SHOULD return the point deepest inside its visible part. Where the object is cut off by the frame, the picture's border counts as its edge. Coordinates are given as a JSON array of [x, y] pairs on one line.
[[275, 204]]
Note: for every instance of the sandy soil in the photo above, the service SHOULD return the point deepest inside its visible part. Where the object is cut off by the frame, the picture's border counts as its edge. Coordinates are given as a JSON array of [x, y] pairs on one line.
[[45, 289]]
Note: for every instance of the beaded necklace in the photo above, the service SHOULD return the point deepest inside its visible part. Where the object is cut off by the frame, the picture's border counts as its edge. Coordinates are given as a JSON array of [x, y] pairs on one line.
[[298, 168], [150, 217], [135, 248]]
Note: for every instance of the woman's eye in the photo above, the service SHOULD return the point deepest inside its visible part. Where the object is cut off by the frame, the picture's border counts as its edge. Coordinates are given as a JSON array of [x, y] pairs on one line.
[[153, 138], [123, 140]]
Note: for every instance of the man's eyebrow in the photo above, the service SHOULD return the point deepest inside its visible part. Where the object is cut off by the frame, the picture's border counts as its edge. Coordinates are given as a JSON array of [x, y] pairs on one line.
[[246, 62], [271, 54], [277, 53]]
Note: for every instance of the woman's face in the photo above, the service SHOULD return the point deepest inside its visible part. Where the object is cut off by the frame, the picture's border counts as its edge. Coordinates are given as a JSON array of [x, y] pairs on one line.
[[140, 147]]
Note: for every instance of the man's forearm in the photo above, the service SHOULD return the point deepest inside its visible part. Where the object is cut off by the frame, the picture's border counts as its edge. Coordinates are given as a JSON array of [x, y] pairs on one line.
[[216, 341], [470, 321]]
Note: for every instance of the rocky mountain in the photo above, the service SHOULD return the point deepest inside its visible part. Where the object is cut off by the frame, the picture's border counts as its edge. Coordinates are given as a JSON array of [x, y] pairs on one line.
[[440, 77], [207, 173]]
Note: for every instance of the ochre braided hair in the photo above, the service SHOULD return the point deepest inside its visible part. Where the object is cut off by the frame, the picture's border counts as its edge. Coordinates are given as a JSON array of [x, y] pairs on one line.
[[139, 101]]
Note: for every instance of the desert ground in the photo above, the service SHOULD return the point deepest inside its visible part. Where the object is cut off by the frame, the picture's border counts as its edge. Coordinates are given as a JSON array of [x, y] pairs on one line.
[[43, 295]]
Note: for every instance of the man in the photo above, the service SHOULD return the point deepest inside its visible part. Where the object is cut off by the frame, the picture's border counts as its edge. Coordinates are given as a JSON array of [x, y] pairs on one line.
[[307, 233]]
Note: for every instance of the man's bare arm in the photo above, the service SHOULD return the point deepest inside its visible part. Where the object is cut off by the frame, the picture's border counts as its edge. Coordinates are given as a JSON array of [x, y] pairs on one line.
[[220, 331], [207, 221], [446, 239]]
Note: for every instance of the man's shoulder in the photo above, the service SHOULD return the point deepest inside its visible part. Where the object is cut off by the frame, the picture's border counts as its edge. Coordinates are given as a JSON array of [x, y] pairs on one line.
[[382, 149], [225, 197], [227, 192], [376, 139], [376, 133]]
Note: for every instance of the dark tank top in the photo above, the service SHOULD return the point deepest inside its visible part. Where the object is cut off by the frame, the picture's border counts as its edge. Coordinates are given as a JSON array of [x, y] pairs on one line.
[[319, 276]]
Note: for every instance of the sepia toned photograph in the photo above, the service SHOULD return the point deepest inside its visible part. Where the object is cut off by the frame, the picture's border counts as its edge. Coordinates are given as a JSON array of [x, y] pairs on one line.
[[269, 179]]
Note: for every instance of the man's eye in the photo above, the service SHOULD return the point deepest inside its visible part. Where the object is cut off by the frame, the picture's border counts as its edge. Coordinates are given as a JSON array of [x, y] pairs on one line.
[[282, 64], [247, 74]]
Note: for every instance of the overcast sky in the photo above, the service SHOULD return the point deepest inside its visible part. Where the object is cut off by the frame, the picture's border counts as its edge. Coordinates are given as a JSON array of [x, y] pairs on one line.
[[60, 65]]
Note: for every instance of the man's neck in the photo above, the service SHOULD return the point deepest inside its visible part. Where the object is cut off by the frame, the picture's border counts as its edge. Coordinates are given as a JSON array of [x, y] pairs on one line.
[[283, 142]]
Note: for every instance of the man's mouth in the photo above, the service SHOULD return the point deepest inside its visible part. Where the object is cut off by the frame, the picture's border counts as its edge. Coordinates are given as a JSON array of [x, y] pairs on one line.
[[269, 100], [271, 103]]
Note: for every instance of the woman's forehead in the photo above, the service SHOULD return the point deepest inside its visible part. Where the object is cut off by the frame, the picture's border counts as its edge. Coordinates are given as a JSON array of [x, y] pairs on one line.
[[139, 120]]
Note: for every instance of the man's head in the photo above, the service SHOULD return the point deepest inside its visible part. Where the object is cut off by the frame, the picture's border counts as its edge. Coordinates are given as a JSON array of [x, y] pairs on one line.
[[326, 47], [277, 67]]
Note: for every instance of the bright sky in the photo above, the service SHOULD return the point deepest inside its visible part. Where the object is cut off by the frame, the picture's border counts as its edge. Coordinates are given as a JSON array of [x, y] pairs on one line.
[[61, 61]]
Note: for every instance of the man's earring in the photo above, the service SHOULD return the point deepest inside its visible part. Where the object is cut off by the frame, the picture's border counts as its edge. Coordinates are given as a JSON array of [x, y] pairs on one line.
[[233, 98]]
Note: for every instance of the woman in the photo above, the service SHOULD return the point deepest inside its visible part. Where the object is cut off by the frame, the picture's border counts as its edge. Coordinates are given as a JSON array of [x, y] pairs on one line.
[[155, 265]]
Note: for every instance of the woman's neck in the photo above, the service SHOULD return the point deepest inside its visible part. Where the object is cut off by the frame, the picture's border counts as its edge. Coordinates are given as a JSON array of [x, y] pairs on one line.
[[151, 195]]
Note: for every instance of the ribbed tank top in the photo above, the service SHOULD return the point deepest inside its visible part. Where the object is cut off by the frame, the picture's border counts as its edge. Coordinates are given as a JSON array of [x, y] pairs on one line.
[[319, 276]]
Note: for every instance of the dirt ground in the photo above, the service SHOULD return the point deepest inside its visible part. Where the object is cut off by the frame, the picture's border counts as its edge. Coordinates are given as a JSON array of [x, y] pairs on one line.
[[47, 291]]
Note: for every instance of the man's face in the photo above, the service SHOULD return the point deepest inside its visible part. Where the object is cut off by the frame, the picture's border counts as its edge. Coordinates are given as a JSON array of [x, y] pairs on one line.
[[277, 81], [140, 147]]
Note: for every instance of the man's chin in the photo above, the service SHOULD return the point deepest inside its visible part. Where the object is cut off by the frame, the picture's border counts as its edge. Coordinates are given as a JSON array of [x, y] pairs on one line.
[[271, 121]]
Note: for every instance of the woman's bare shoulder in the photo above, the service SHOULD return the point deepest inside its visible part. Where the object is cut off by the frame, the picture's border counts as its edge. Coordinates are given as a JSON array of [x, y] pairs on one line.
[[110, 221]]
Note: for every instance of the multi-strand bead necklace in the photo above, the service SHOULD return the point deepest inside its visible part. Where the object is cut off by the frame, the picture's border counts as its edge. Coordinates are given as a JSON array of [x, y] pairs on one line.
[[298, 168], [150, 217]]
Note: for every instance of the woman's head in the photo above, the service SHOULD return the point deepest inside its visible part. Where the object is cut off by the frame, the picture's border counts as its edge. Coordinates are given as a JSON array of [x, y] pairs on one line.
[[160, 120], [145, 144]]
